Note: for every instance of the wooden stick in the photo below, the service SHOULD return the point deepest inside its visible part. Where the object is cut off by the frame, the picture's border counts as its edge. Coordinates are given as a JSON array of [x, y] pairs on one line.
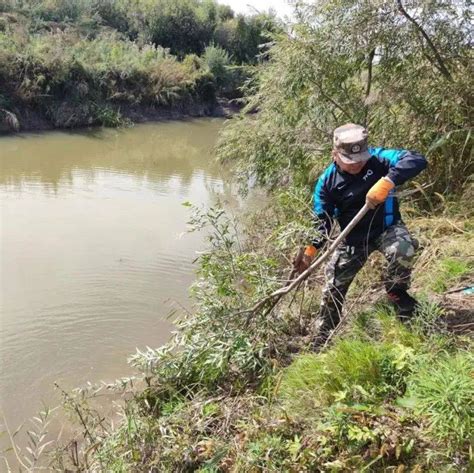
[[316, 264], [292, 284]]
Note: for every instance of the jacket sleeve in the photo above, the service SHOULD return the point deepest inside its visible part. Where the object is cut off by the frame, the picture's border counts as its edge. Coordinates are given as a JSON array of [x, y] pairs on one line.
[[323, 213], [401, 164]]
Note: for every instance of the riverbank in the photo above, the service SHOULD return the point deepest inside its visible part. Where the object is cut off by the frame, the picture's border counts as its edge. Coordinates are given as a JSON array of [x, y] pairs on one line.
[[245, 392], [66, 64], [238, 390], [80, 116]]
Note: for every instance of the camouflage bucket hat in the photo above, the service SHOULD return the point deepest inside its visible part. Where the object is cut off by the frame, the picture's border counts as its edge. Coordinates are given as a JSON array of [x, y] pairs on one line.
[[350, 141]]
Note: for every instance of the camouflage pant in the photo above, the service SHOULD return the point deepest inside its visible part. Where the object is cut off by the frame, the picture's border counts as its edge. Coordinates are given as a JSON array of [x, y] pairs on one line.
[[395, 244]]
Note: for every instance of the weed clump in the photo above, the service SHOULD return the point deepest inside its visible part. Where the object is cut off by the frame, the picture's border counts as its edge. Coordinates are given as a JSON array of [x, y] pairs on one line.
[[441, 391], [352, 371]]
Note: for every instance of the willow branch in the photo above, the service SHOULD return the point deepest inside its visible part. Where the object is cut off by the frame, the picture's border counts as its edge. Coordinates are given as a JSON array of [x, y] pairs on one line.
[[370, 61], [278, 294], [441, 65], [330, 99]]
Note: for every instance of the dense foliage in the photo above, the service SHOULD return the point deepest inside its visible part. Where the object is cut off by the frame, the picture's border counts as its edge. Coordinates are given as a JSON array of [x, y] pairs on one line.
[[183, 26], [234, 391], [403, 72], [88, 61]]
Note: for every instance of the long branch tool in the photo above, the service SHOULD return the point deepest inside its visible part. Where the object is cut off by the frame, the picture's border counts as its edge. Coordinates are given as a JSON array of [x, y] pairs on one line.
[[275, 296], [273, 299]]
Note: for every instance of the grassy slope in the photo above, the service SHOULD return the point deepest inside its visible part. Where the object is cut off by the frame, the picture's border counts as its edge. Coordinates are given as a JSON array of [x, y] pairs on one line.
[[381, 397]]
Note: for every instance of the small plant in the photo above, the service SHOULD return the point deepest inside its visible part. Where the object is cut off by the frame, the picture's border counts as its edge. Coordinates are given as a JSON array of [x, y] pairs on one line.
[[218, 344], [37, 444], [109, 117], [429, 319], [380, 323], [217, 61]]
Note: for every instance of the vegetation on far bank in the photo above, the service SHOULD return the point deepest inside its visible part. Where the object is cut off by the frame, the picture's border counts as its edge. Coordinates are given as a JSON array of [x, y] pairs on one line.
[[234, 391], [84, 61]]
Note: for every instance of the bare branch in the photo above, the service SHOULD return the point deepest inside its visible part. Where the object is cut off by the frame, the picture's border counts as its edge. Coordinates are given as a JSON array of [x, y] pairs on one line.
[[370, 60], [278, 294], [440, 63]]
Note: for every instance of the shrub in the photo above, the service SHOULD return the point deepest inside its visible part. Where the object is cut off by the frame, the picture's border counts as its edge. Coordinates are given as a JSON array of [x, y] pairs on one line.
[[108, 117], [58, 10], [6, 5], [219, 345], [178, 26], [115, 13], [217, 61], [244, 36]]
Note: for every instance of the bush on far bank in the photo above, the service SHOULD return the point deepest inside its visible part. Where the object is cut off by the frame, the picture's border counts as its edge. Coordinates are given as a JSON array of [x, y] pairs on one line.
[[76, 62], [70, 78]]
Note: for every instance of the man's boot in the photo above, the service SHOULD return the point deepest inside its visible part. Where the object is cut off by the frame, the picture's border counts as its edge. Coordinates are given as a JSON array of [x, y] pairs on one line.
[[405, 305], [320, 340], [330, 320]]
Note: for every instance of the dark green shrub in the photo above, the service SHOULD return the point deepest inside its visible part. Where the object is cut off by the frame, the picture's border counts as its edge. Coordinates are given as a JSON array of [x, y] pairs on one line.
[[177, 25], [217, 61]]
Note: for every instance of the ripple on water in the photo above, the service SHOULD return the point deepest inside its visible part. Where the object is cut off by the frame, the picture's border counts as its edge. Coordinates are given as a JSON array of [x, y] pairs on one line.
[[91, 259]]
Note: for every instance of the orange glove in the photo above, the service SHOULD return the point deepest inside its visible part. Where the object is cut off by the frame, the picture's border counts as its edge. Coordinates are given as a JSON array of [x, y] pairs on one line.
[[303, 264], [379, 192]]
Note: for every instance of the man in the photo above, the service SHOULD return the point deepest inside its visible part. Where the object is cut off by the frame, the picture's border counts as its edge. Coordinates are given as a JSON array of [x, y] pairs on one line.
[[361, 174]]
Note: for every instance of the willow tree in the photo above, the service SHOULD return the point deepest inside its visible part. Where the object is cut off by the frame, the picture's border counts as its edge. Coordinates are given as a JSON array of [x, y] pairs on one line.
[[400, 68]]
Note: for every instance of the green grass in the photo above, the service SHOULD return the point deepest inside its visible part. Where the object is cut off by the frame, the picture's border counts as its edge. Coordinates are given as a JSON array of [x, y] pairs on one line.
[[449, 273], [351, 371], [441, 391], [380, 323]]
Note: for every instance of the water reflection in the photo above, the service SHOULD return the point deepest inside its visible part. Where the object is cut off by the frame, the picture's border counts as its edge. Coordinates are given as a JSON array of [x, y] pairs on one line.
[[92, 250], [145, 151]]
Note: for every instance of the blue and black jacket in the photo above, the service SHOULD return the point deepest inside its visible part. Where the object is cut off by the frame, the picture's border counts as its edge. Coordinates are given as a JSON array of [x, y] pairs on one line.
[[341, 195]]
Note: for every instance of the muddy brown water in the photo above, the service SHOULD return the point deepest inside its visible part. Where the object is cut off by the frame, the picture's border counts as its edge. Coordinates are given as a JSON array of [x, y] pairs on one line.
[[94, 250]]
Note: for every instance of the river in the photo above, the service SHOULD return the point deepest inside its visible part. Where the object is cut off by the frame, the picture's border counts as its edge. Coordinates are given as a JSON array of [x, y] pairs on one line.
[[94, 250]]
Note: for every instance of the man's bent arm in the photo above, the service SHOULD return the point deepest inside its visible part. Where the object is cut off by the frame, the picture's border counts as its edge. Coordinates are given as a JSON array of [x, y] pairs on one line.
[[401, 164]]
